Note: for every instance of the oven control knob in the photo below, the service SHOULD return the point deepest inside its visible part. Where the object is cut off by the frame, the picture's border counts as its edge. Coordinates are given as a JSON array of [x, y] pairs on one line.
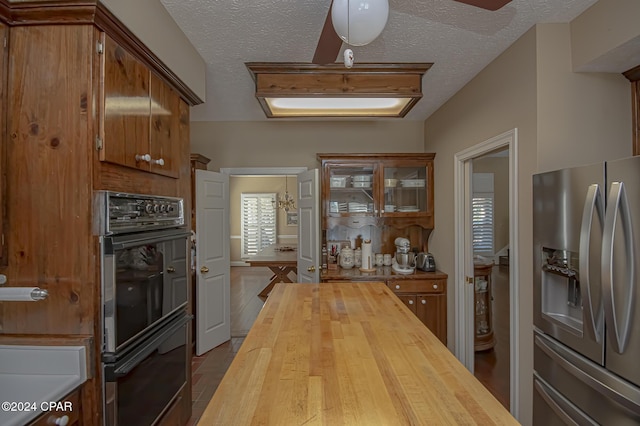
[[170, 209], [163, 208], [148, 208], [156, 208]]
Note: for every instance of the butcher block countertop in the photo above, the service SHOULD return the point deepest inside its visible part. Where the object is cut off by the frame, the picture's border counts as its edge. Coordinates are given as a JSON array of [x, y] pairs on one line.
[[346, 354]]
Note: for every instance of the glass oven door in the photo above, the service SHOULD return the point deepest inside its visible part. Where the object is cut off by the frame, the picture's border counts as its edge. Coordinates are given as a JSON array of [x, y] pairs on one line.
[[144, 281], [141, 383]]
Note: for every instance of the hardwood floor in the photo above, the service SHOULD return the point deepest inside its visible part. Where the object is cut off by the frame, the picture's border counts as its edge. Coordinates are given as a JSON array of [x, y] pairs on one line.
[[209, 368], [492, 367], [246, 283]]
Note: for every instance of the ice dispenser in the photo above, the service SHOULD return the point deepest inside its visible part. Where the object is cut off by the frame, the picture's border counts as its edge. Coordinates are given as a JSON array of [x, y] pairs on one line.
[[561, 298]]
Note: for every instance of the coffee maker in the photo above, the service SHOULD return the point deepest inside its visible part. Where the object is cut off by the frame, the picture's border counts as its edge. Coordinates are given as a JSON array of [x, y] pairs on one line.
[[404, 259]]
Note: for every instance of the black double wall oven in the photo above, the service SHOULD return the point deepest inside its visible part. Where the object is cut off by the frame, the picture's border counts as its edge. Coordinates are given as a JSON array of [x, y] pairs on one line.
[[144, 262]]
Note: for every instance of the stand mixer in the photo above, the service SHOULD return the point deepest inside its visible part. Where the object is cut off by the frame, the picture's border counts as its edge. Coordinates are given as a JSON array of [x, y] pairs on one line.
[[404, 259]]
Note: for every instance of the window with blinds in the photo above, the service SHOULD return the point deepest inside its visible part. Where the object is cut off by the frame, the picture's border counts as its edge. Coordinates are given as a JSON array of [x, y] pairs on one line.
[[258, 222], [482, 223]]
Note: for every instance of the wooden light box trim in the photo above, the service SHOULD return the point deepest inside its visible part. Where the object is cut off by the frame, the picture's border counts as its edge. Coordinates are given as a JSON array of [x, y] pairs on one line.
[[334, 80]]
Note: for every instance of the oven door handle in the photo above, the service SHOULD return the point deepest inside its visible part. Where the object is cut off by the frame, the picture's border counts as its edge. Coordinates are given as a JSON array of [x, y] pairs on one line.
[[124, 366], [130, 241]]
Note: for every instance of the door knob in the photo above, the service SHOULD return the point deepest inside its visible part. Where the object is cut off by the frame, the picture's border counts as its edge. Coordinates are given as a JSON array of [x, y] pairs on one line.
[[311, 269], [171, 269], [204, 269]]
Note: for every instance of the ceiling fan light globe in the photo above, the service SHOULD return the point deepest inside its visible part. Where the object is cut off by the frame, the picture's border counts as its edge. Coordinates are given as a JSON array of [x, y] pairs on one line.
[[359, 22]]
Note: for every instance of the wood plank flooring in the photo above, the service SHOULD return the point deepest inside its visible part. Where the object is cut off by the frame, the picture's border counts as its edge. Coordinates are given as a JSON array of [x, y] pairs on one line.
[[492, 367], [209, 368]]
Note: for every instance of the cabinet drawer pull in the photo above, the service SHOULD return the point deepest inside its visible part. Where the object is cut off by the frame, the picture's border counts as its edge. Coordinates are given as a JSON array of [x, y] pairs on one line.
[[435, 286], [159, 162], [143, 157], [424, 302], [411, 302], [397, 286]]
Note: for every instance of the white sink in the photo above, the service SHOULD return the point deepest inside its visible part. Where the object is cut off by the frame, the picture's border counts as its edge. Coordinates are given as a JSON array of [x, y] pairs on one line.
[[33, 376]]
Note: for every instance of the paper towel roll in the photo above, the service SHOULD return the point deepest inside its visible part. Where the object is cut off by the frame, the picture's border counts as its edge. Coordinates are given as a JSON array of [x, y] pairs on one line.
[[367, 256], [22, 294]]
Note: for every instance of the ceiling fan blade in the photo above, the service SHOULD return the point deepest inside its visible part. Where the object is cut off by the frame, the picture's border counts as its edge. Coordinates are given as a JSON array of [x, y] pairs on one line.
[[486, 4], [329, 43]]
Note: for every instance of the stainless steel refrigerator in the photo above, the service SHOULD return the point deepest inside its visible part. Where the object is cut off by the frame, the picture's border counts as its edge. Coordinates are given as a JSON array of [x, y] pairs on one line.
[[586, 231]]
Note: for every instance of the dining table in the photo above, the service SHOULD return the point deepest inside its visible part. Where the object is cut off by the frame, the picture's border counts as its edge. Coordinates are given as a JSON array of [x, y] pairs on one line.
[[347, 353], [281, 259]]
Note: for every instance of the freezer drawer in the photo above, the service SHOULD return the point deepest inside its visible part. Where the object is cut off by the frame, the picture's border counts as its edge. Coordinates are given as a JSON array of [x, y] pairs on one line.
[[550, 408], [592, 390]]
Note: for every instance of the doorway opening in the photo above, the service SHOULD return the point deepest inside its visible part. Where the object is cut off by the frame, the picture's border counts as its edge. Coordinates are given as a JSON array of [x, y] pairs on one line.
[[247, 282], [486, 264]]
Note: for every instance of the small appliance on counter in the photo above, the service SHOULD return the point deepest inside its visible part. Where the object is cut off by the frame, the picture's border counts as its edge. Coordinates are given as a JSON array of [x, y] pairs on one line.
[[425, 262], [405, 259]]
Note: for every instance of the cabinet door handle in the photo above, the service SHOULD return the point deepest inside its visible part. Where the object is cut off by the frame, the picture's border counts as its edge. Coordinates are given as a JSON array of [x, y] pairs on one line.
[[397, 286], [159, 162], [143, 157], [424, 302], [411, 302], [61, 421], [435, 286]]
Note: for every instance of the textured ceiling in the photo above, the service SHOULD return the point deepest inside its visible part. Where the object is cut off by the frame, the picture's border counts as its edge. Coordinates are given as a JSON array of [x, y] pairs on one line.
[[459, 39]]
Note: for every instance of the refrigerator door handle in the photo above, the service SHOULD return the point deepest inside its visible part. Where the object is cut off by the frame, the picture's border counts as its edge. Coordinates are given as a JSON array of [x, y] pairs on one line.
[[569, 414], [593, 201], [614, 389], [618, 328]]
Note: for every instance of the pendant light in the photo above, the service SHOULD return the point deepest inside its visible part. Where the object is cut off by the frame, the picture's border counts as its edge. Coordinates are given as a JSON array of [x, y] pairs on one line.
[[287, 202]]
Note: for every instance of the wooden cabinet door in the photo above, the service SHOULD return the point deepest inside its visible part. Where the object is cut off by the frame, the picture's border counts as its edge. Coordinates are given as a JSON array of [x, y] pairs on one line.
[[164, 145], [4, 31], [432, 311], [126, 107], [409, 300]]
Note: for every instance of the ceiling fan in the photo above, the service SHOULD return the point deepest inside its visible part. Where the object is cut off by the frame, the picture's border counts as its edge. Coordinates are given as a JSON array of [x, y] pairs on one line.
[[330, 43]]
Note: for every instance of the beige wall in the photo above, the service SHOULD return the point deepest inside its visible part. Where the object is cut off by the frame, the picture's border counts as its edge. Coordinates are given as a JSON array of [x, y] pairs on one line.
[[605, 37], [582, 117], [562, 119], [258, 184], [502, 97], [152, 24], [295, 144]]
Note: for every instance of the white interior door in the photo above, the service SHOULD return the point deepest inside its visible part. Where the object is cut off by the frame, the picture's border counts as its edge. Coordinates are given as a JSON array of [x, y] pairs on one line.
[[308, 226], [213, 302]]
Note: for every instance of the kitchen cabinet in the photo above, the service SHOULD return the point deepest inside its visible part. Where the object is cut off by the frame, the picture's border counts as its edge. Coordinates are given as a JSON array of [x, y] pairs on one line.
[[4, 32], [427, 298], [380, 196], [374, 189], [424, 293], [140, 116], [484, 337], [64, 412], [63, 142]]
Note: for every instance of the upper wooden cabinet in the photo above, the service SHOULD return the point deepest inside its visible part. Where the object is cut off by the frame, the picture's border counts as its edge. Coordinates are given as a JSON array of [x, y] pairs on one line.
[[369, 189], [141, 115]]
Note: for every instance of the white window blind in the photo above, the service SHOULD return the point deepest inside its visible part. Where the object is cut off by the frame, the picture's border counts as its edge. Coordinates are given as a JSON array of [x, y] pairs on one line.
[[258, 222], [482, 223], [482, 213]]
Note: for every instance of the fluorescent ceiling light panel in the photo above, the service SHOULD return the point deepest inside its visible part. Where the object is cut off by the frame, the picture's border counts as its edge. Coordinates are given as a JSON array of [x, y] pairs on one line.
[[354, 107]]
